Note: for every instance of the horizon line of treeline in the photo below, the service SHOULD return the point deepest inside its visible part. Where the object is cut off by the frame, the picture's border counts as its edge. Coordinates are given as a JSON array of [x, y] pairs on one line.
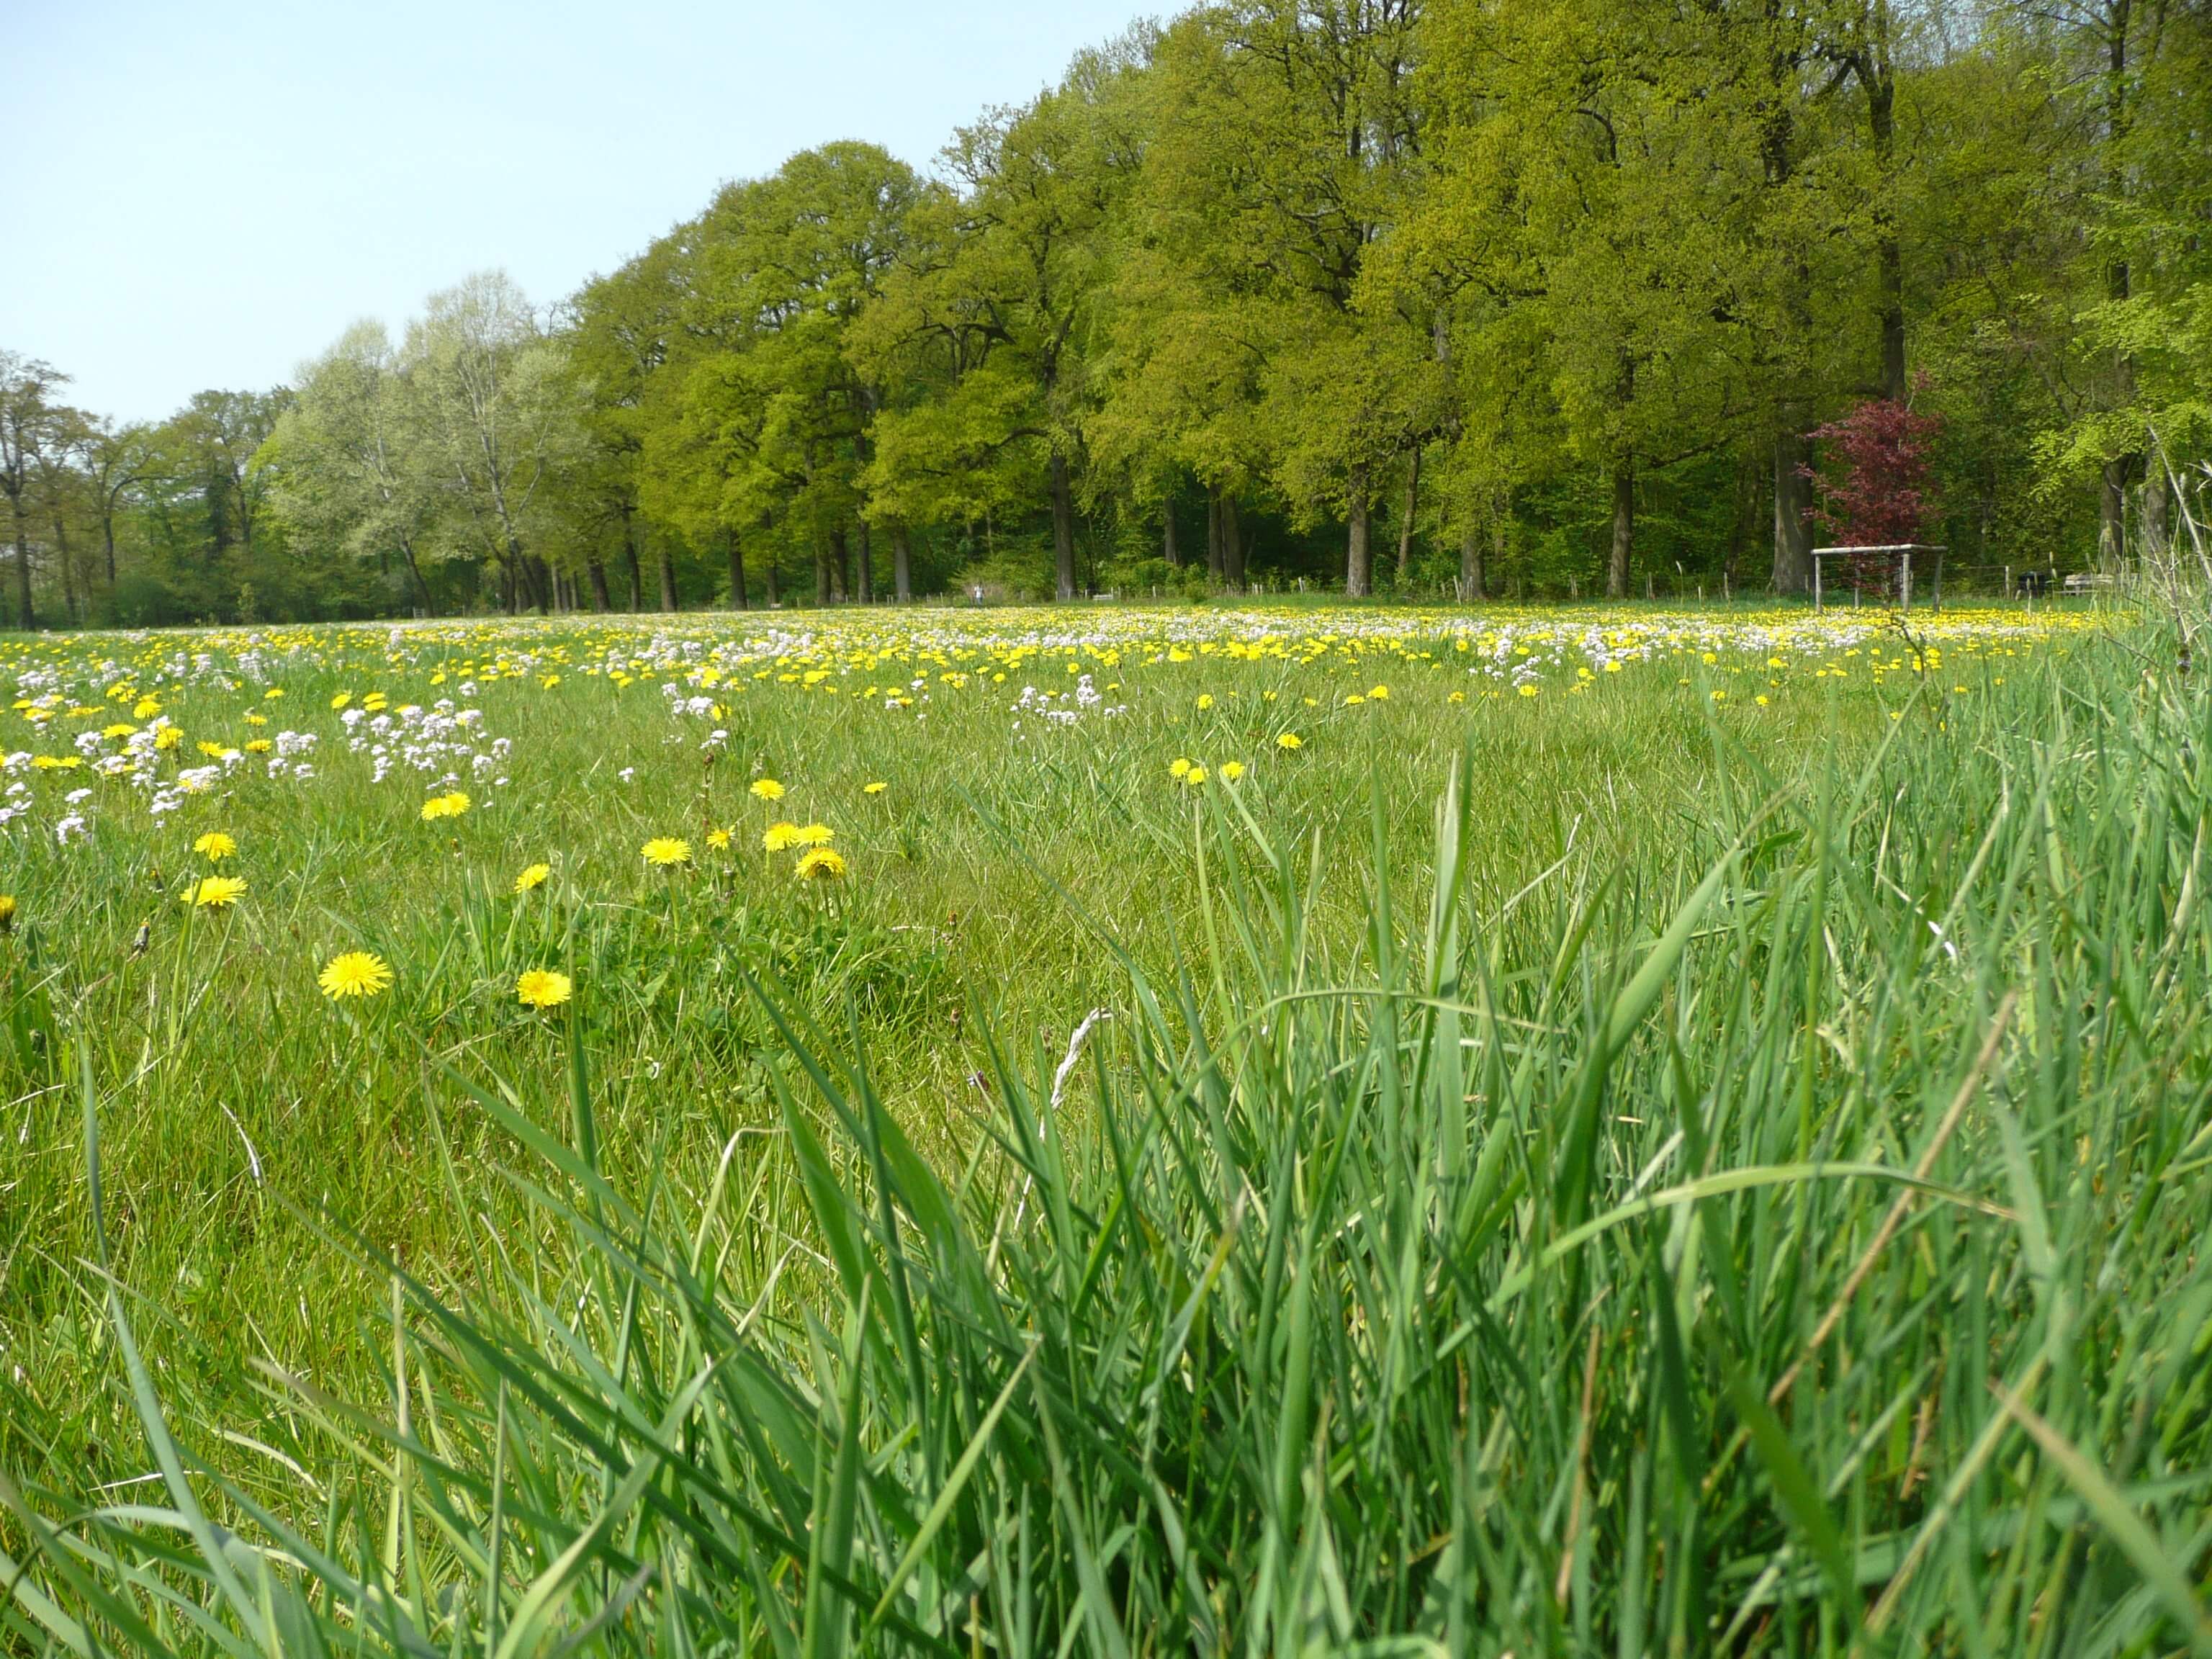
[[1437, 297]]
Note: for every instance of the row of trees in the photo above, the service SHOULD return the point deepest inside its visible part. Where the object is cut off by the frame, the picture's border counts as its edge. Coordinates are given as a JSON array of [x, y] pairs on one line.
[[1551, 297]]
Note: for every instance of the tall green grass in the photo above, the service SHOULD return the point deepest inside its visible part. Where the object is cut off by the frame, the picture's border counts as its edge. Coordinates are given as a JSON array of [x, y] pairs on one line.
[[1799, 1252]]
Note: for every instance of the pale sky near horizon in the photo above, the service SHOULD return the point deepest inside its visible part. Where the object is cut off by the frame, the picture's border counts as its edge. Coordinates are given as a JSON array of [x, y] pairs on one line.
[[204, 196]]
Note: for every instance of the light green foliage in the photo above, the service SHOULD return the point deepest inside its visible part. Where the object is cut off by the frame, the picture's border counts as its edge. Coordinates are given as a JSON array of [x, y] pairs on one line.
[[992, 313], [345, 461]]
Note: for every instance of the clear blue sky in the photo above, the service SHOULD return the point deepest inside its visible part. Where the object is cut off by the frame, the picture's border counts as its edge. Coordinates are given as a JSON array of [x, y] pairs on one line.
[[204, 195]]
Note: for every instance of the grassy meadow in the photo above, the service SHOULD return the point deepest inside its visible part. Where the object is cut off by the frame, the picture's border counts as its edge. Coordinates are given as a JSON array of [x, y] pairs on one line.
[[1109, 1130]]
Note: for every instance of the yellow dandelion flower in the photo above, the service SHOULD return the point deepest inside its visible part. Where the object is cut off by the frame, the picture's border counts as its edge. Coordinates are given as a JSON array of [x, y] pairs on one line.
[[1196, 775], [1206, 700], [779, 837], [816, 834], [665, 851], [215, 892], [1231, 770], [451, 805], [1354, 700], [822, 864], [7, 912], [873, 788], [342, 700], [1379, 693], [718, 839], [533, 877], [1180, 768], [354, 974], [766, 789], [259, 746], [168, 738], [1290, 741], [1528, 690], [215, 847], [541, 988], [145, 708]]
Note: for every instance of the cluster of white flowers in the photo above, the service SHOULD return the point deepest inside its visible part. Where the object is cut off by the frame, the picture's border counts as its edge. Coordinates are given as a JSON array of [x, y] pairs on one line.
[[443, 739], [1066, 708]]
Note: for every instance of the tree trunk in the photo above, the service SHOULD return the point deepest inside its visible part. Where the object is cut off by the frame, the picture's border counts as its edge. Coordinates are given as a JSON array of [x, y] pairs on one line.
[[630, 553], [1232, 546], [2112, 511], [737, 573], [841, 558], [414, 570], [1471, 572], [1063, 530], [867, 568], [1877, 70], [1793, 500], [1406, 519], [1167, 549], [2157, 522], [668, 579], [901, 563], [1216, 565], [1358, 560], [767, 575], [599, 599], [23, 576], [68, 576], [1624, 530], [107, 533], [821, 573]]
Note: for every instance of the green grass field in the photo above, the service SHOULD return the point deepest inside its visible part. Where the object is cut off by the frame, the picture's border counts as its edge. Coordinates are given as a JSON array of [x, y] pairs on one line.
[[1579, 1131]]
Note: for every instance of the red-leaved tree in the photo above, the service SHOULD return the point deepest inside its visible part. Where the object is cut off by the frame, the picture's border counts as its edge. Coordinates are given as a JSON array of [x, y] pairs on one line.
[[1879, 496]]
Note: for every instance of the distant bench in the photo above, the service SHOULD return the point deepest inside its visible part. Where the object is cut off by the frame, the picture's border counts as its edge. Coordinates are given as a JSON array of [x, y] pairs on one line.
[[2083, 581]]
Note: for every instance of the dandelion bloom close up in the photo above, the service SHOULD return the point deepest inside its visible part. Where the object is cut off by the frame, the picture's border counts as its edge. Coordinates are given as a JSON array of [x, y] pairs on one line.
[[766, 789], [822, 864], [215, 892], [816, 834], [665, 851], [215, 847], [873, 788], [1290, 741], [7, 912], [1231, 770], [532, 877], [541, 988], [449, 805], [354, 974], [779, 837]]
